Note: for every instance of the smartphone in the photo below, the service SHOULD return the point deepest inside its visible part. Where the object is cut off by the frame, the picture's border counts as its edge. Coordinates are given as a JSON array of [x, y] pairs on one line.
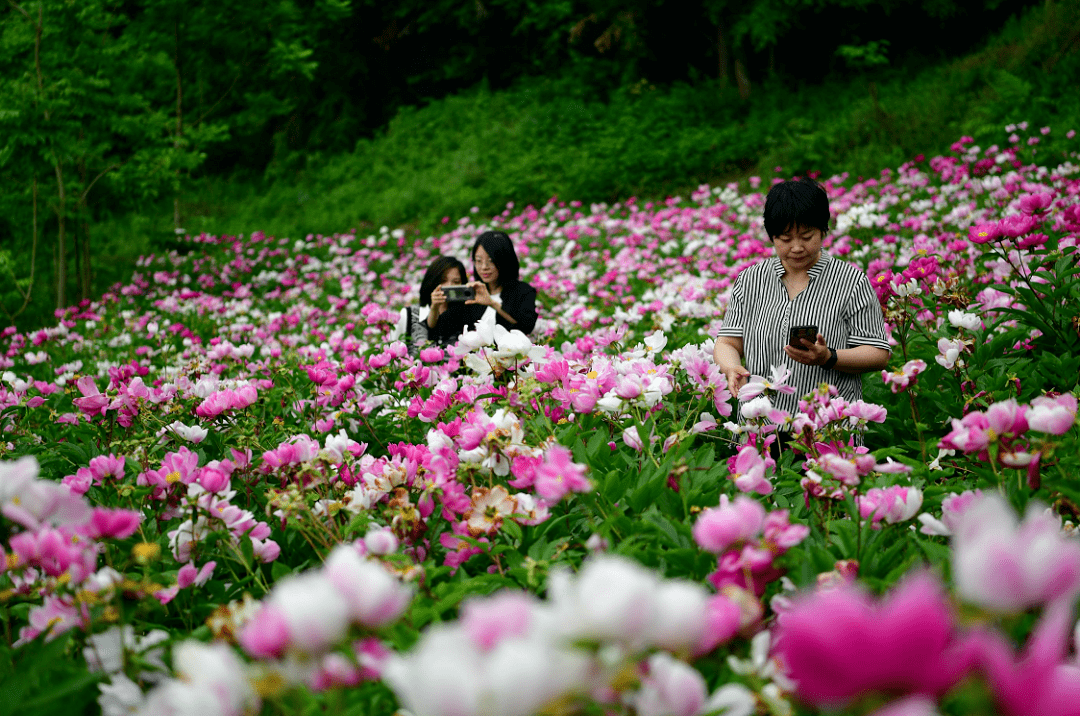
[[797, 332], [459, 294]]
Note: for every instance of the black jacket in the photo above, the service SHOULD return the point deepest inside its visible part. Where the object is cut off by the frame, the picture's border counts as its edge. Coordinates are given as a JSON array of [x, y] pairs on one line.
[[518, 299]]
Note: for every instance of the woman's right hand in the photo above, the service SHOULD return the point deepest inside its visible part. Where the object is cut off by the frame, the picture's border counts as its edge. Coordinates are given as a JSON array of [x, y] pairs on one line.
[[736, 378], [438, 305], [438, 299], [727, 354]]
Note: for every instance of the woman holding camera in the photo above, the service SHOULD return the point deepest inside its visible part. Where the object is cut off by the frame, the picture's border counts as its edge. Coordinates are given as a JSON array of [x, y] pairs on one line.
[[418, 324], [802, 287], [498, 292]]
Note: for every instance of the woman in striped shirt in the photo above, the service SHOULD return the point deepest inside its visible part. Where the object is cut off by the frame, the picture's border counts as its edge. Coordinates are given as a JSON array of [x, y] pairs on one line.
[[801, 285]]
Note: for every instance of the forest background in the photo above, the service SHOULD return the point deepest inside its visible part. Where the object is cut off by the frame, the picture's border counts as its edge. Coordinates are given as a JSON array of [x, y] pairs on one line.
[[124, 123]]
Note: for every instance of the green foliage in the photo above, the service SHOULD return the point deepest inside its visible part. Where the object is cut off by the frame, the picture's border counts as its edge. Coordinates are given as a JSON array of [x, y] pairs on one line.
[[548, 136], [42, 677]]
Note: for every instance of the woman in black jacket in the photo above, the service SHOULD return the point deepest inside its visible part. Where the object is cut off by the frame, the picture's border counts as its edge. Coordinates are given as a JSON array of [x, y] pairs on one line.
[[498, 290]]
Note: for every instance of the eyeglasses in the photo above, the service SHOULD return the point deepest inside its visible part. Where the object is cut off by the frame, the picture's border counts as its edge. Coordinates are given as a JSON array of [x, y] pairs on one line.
[[484, 262]]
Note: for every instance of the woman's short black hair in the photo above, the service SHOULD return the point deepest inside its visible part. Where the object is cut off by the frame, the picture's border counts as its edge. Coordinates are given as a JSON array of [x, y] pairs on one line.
[[501, 250], [434, 276], [794, 203]]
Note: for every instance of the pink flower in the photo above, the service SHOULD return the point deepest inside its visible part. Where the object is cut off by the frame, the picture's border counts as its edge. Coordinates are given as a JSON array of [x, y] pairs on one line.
[[1041, 680], [900, 380], [955, 505], [112, 524], [747, 470], [670, 688], [891, 504], [968, 434], [1007, 418], [902, 644], [775, 383], [1008, 566], [949, 352], [733, 522], [487, 621], [79, 483], [779, 534], [984, 233], [1054, 416], [380, 541], [911, 706], [267, 634], [188, 575], [93, 401], [1032, 240], [1017, 225], [432, 354], [870, 412], [723, 619], [632, 439], [373, 597], [104, 466], [558, 474], [266, 550], [1034, 203]]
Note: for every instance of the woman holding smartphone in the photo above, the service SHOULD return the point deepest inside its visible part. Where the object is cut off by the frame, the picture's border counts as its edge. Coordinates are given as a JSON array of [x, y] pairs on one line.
[[840, 331], [499, 293]]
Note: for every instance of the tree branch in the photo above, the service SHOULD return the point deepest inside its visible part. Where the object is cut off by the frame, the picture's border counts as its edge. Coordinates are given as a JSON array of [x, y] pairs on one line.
[[82, 197]]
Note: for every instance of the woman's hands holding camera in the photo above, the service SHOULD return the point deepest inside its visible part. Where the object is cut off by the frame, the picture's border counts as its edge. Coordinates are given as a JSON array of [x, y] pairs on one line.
[[438, 304], [482, 296]]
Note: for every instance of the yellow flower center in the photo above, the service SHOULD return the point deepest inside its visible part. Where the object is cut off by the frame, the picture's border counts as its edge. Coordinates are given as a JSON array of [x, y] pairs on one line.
[[172, 477], [591, 375]]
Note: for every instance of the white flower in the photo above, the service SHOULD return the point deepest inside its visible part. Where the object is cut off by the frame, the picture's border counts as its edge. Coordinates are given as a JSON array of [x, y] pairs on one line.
[[757, 408], [680, 618], [314, 609], [380, 541], [612, 599], [483, 335], [213, 682], [963, 319], [655, 342], [338, 445], [371, 595], [120, 697], [192, 433], [949, 353], [903, 290], [671, 688], [731, 700]]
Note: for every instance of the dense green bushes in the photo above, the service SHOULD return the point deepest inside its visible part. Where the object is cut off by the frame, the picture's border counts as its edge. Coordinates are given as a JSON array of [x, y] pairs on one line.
[[548, 136]]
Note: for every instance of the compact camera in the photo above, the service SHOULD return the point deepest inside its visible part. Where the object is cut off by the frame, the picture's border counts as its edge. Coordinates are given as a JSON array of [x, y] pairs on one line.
[[459, 294]]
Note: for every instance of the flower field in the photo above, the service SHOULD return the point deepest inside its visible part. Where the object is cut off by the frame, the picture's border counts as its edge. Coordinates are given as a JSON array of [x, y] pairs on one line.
[[227, 488]]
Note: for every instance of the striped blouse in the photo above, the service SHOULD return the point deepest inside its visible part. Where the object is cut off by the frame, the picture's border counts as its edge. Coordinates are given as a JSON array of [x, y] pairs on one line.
[[838, 300]]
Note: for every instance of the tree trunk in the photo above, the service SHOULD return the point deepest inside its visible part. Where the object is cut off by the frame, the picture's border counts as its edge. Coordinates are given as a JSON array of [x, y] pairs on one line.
[[61, 237], [722, 61], [179, 121], [742, 80]]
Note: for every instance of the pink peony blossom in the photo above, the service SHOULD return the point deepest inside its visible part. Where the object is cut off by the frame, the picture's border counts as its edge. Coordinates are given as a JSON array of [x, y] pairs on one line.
[[733, 522], [1007, 566], [112, 524], [1054, 416], [558, 474], [905, 643]]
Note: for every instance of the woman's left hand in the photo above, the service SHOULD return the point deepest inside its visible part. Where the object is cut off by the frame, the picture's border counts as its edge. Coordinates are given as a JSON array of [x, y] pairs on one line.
[[481, 295], [816, 353]]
